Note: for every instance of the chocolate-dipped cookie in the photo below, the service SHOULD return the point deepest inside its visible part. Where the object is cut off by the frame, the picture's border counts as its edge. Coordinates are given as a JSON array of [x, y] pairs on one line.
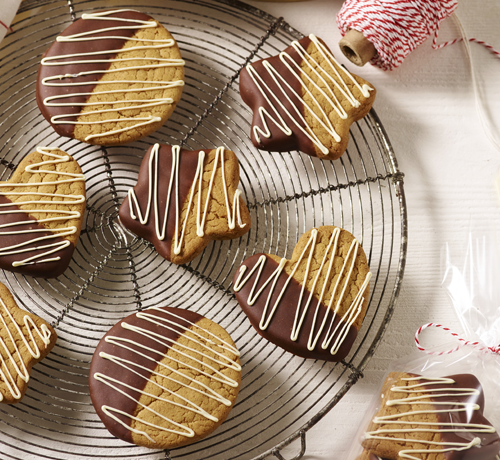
[[25, 339], [164, 377], [432, 418], [304, 99], [184, 199], [313, 304], [111, 77], [41, 213]]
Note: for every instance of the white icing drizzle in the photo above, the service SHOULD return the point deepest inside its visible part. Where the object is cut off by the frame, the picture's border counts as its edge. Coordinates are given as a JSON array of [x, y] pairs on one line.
[[174, 184], [48, 199], [15, 358], [341, 330], [425, 427], [139, 104], [339, 83], [205, 361]]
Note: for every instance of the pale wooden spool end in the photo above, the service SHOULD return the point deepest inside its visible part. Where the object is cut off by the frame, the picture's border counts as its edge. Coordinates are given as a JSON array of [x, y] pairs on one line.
[[357, 48]]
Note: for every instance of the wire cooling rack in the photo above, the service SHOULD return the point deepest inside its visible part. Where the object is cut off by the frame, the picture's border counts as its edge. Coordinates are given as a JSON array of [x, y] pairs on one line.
[[114, 273]]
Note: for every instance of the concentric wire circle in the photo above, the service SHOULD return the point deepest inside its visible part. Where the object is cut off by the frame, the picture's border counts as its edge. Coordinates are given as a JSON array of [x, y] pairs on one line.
[[113, 273]]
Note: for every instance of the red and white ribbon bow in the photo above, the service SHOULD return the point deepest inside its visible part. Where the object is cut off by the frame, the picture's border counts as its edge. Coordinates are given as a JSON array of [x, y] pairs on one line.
[[477, 345]]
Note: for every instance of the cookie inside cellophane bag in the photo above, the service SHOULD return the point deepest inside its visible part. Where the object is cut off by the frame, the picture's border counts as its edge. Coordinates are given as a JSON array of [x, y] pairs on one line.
[[441, 403]]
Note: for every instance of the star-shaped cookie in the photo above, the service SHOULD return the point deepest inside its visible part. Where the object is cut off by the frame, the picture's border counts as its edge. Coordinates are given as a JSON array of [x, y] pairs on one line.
[[184, 199], [304, 99]]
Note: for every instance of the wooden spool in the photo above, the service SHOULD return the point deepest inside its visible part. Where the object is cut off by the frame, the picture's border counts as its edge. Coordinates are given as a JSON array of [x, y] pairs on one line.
[[357, 48]]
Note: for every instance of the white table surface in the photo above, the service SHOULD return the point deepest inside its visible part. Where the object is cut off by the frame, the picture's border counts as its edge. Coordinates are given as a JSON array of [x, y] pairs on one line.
[[428, 109]]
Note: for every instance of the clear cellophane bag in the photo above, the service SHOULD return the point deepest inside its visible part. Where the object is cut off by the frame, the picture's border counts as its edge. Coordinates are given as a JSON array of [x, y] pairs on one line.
[[472, 281]]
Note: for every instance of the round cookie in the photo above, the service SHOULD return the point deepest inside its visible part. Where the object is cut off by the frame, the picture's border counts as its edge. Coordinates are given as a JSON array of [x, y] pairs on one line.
[[313, 304], [164, 377], [110, 78]]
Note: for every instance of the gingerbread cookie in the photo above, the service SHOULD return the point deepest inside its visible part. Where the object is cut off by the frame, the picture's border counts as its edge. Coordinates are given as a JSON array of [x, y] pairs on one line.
[[25, 339], [111, 77], [314, 304], [432, 418], [41, 213], [304, 99], [164, 377], [184, 199]]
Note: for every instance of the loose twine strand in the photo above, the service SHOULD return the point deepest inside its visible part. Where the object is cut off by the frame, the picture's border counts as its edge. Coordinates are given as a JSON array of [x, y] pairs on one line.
[[476, 345]]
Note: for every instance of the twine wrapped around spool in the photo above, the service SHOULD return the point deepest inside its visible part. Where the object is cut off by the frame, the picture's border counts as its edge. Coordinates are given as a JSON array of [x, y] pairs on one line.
[[385, 32]]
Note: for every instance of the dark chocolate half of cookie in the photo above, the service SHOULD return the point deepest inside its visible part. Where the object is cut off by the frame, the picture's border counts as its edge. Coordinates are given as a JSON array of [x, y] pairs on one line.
[[313, 304], [280, 328], [259, 90], [304, 99], [23, 245], [433, 418], [41, 213], [184, 199], [164, 377], [155, 173]]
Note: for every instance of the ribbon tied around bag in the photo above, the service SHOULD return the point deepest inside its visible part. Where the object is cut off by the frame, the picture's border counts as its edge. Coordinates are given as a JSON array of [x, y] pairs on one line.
[[462, 342]]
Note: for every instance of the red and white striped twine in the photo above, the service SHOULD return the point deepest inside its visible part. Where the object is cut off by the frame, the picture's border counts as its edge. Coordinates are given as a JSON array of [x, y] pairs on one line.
[[397, 27], [476, 345]]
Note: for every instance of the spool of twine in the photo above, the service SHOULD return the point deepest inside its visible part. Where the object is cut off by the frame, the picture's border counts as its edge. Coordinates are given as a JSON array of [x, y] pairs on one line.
[[385, 32]]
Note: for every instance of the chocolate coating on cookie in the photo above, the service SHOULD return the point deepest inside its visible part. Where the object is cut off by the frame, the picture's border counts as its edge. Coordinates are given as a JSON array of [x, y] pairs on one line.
[[312, 305], [160, 377], [432, 417], [102, 48], [41, 213], [279, 140], [188, 161], [304, 99], [111, 77], [22, 236], [489, 442], [184, 199], [278, 331]]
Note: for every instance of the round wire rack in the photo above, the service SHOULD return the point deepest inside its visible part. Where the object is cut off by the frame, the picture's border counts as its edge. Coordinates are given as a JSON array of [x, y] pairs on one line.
[[113, 273]]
